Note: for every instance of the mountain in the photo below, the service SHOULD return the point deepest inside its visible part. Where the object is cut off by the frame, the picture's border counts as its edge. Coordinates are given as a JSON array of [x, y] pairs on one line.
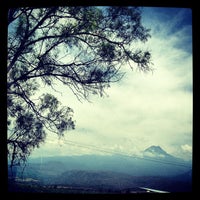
[[154, 162], [156, 151], [156, 169]]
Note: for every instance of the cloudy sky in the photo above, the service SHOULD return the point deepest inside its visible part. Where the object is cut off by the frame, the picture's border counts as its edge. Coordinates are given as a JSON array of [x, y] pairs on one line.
[[143, 109]]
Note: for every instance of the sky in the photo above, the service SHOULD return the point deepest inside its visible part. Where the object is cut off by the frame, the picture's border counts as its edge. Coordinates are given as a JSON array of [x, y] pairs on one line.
[[143, 109]]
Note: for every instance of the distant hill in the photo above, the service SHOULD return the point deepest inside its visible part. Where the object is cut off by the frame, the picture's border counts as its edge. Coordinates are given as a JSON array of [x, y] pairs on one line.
[[154, 162], [156, 168]]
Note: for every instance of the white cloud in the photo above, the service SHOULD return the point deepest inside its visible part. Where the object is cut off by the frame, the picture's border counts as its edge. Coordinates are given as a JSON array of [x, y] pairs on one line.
[[186, 148]]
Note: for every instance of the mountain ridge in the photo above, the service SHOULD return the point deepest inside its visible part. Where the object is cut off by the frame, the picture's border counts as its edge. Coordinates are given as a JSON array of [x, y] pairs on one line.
[[113, 172], [164, 165]]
